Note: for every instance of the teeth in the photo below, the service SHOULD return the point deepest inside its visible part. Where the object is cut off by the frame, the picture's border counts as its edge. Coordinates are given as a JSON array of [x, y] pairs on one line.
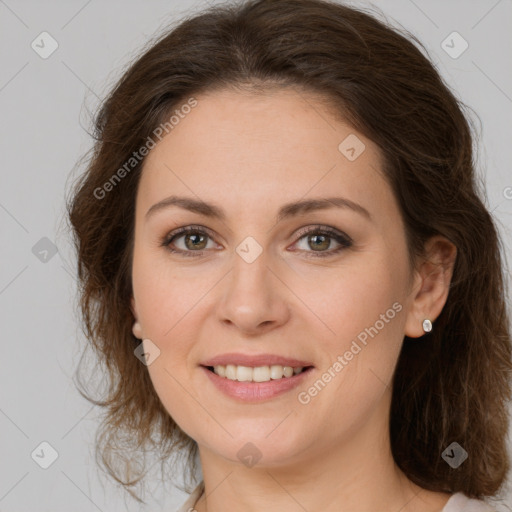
[[258, 374]]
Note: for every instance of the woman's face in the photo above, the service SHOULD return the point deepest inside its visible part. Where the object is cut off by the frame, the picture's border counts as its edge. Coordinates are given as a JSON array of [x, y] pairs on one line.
[[265, 281]]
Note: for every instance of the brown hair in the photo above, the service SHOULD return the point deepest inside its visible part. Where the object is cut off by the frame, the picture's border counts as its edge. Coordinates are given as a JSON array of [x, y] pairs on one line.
[[454, 383]]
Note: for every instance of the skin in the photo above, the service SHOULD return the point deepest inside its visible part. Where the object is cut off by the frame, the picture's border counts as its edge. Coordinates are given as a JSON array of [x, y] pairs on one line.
[[250, 154]]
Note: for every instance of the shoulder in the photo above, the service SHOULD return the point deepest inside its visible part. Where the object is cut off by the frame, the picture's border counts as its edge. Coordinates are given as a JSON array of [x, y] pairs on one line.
[[188, 506], [459, 502]]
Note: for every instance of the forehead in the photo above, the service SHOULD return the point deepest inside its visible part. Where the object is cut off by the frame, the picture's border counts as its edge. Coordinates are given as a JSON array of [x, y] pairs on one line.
[[282, 144]]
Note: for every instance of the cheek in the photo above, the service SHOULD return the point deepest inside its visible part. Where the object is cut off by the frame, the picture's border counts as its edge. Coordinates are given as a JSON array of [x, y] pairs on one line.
[[354, 297], [166, 307], [363, 307], [172, 303], [163, 295]]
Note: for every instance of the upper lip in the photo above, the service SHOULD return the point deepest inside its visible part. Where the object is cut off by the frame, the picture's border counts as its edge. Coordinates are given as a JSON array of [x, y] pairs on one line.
[[255, 360]]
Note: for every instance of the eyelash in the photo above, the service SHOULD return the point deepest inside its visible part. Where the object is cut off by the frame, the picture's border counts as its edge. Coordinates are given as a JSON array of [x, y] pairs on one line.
[[344, 240]]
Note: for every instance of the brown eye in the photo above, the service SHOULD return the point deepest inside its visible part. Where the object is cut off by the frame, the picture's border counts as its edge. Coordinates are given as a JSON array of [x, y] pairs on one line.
[[195, 241], [187, 241], [192, 241], [318, 240]]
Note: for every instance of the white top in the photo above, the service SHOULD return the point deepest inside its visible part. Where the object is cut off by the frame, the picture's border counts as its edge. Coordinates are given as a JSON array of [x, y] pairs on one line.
[[458, 502]]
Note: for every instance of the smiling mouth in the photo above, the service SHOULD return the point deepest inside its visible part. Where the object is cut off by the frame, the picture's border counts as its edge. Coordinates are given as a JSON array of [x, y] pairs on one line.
[[257, 374]]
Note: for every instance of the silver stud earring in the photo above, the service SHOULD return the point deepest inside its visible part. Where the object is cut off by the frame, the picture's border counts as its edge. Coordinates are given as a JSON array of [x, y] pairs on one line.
[[427, 325]]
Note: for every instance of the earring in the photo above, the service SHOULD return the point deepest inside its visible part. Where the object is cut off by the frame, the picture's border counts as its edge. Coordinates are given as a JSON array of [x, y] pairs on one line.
[[427, 325], [137, 330]]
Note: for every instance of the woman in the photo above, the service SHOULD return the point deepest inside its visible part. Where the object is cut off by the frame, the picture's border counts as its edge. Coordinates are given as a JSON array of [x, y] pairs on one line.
[[287, 269]]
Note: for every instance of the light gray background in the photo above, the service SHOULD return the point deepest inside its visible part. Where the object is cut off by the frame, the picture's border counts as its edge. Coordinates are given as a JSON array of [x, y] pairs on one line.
[[43, 106]]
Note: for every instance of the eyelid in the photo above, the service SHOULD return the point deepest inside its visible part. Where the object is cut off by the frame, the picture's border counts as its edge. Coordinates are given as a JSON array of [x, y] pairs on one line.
[[324, 229], [190, 228]]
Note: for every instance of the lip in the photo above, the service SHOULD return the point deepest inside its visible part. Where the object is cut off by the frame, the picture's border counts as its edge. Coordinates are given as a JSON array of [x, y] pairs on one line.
[[255, 360], [256, 391]]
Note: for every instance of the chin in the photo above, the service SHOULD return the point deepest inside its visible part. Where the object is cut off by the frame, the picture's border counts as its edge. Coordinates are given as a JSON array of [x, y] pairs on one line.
[[264, 447]]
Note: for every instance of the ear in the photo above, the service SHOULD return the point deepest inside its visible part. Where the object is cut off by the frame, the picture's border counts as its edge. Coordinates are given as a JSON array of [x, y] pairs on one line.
[[136, 328], [431, 284]]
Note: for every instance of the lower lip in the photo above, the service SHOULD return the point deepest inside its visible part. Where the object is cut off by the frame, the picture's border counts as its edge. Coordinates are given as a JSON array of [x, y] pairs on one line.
[[256, 391]]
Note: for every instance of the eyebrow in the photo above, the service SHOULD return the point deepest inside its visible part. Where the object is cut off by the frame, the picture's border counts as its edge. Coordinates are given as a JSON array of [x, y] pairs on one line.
[[286, 211]]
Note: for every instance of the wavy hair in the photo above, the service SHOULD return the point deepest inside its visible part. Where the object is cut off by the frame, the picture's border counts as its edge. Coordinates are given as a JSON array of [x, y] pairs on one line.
[[454, 383]]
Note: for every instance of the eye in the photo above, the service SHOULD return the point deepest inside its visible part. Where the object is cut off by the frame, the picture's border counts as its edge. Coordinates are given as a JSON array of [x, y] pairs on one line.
[[193, 240], [320, 238]]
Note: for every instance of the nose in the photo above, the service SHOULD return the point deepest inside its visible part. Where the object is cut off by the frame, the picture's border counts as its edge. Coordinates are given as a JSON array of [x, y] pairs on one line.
[[254, 299]]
